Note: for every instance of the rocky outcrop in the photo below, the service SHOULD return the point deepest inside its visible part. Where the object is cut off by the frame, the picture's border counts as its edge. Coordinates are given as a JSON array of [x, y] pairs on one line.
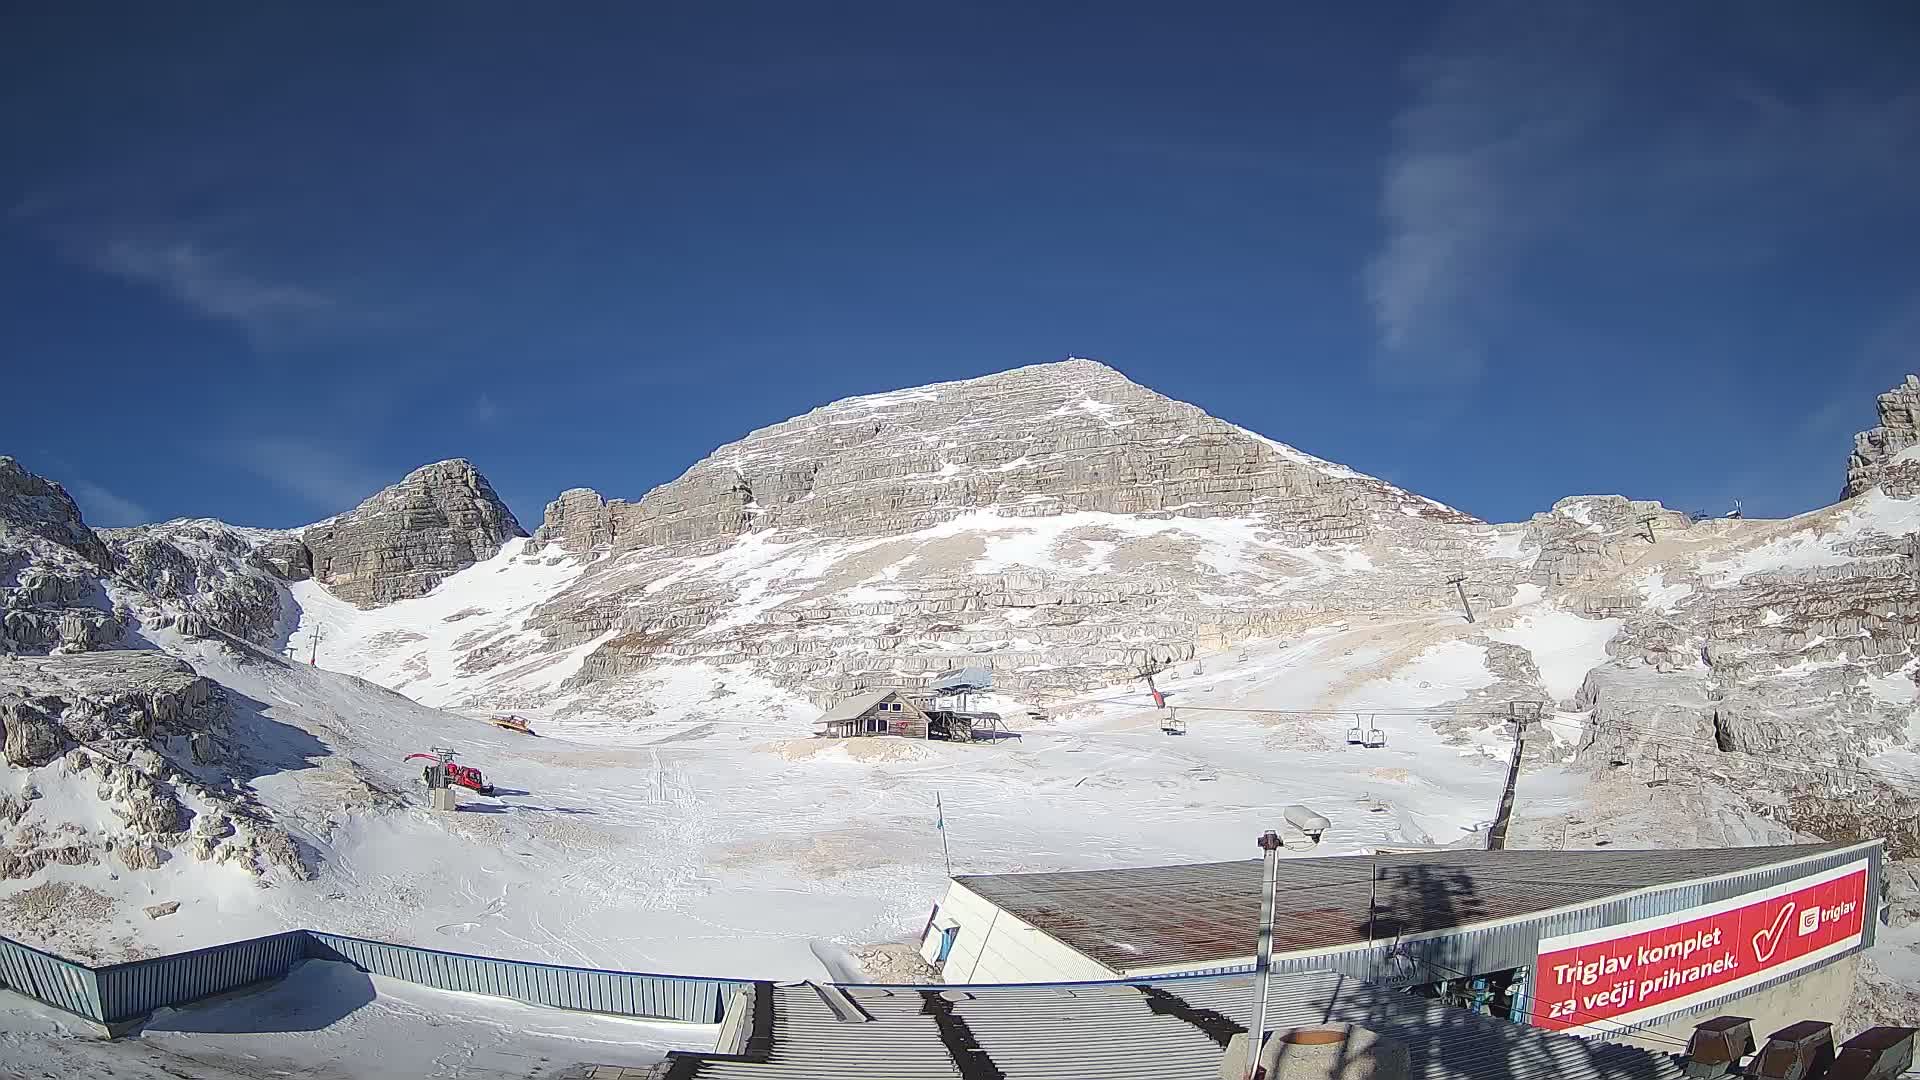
[[50, 569], [1582, 538], [202, 576], [284, 556], [123, 721], [1880, 454], [31, 736], [32, 506], [400, 543]]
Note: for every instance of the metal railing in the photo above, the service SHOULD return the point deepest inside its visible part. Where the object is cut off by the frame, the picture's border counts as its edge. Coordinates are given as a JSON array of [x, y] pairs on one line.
[[136, 988], [618, 993], [45, 977], [118, 993]]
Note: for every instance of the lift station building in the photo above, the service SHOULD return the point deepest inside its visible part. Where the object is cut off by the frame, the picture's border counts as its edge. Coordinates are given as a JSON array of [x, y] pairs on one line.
[[1594, 942]]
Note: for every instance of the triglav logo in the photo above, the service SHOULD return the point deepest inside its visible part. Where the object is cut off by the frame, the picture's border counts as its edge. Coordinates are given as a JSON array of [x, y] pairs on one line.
[[1766, 941]]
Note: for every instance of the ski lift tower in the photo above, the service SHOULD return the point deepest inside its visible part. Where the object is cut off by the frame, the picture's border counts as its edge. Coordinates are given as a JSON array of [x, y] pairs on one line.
[[961, 682], [437, 786], [1459, 583]]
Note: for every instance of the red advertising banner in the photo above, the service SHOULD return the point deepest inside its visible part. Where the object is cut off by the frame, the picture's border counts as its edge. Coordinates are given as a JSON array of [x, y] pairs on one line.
[[1638, 971]]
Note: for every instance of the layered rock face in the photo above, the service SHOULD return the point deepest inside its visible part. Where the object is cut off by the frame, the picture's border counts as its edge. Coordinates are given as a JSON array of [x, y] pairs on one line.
[[1057, 523], [1037, 441], [440, 519], [50, 567], [1879, 453], [34, 507], [1776, 667]]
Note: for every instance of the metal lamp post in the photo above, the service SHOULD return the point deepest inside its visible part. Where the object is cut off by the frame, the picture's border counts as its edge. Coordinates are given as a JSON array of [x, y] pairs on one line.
[[1269, 875]]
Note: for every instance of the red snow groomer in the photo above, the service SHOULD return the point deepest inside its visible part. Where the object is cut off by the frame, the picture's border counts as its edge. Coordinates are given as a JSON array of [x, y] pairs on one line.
[[465, 776]]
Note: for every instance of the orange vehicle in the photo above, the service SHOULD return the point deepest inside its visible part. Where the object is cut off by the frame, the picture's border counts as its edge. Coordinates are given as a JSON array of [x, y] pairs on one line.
[[512, 723]]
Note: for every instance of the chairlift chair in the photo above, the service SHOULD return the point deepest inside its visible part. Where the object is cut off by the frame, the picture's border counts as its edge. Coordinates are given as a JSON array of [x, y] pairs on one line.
[[1366, 733], [1172, 724]]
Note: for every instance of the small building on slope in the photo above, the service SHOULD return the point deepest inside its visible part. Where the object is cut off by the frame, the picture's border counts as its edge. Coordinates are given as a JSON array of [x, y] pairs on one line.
[[876, 712]]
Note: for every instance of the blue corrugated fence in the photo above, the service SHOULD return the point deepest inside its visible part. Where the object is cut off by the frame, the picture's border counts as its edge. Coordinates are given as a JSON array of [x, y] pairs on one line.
[[121, 992], [621, 993], [138, 987], [46, 977]]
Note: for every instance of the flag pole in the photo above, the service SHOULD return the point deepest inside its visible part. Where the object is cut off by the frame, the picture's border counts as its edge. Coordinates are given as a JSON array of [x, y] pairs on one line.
[[941, 824]]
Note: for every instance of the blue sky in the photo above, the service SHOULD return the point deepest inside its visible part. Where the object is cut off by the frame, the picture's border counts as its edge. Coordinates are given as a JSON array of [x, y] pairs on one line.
[[260, 260]]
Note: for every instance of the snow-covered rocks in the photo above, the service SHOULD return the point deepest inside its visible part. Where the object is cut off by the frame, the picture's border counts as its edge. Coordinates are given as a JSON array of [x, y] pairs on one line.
[[32, 736], [50, 566], [201, 576]]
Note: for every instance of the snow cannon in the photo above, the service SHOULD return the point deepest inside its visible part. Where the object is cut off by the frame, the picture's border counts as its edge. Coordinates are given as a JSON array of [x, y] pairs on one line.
[[1300, 817]]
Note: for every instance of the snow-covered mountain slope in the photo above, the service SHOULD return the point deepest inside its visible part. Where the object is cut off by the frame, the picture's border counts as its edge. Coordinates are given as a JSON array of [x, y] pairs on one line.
[[1058, 525], [735, 847]]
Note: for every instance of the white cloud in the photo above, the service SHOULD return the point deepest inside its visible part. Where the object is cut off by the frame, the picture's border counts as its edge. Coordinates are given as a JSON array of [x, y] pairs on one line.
[[103, 509], [483, 410], [210, 282], [1542, 137], [1493, 101]]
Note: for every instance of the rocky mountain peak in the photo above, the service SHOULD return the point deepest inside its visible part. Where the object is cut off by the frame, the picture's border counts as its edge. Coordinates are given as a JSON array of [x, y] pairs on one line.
[[1037, 441], [32, 505], [400, 543], [1880, 454]]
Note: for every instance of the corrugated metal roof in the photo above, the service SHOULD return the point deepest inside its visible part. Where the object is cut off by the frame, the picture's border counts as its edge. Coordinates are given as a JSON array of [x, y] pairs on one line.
[[969, 678], [1161, 916], [1167, 1030], [854, 707]]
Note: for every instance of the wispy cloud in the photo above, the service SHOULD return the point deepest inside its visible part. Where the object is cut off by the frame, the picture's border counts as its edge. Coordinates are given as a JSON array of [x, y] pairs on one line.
[[328, 477], [1494, 100], [211, 282], [1538, 135], [483, 410], [206, 265], [104, 509]]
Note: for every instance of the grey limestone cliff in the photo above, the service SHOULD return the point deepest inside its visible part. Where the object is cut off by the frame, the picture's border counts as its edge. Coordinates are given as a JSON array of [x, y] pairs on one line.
[[1036, 441], [1879, 453], [440, 519], [1172, 528]]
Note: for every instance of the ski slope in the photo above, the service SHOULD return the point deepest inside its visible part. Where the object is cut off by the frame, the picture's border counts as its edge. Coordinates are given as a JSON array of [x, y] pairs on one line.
[[735, 848]]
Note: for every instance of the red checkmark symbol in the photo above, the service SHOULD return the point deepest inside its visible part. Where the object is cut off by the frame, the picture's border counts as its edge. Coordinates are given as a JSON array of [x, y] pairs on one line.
[[1766, 941]]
